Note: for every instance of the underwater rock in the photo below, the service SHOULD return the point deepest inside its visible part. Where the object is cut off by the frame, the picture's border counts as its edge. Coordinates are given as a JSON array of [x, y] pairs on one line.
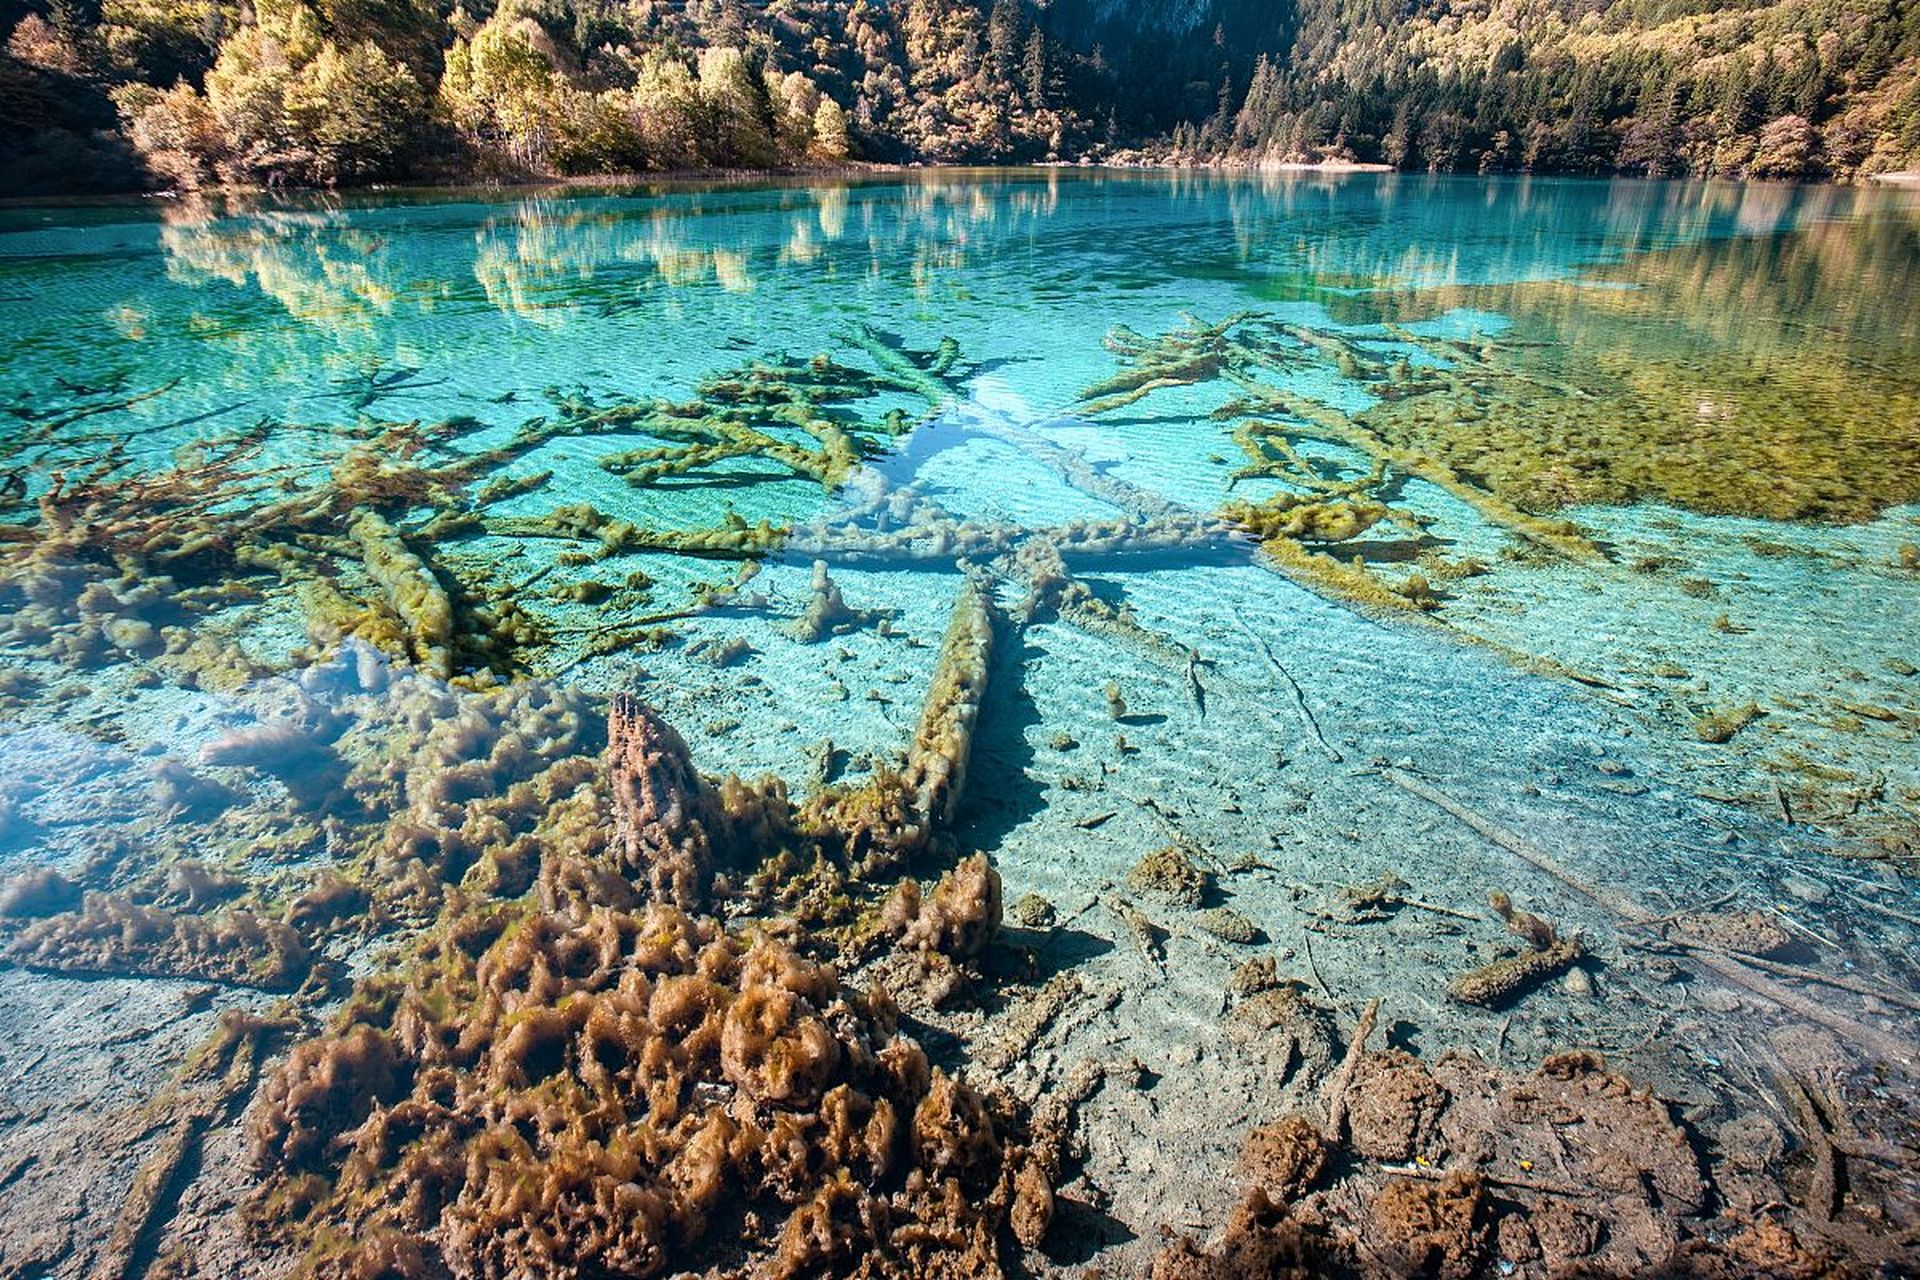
[[721, 651], [470, 779], [1278, 1022], [195, 886], [1638, 1161], [326, 1087], [111, 934]]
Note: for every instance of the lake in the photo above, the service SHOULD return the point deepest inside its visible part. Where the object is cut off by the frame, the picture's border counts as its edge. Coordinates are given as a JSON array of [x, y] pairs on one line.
[[460, 651]]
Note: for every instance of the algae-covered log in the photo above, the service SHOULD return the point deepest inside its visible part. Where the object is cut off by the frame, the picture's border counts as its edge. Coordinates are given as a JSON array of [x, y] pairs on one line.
[[1318, 505], [896, 812], [112, 934], [415, 594], [1503, 979]]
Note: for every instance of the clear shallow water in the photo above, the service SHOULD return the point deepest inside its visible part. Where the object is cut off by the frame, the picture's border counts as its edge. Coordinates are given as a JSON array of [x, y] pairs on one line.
[[1715, 386]]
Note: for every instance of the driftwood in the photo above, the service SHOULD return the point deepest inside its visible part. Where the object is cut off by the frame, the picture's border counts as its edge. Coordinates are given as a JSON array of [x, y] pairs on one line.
[[1736, 970], [1335, 1131]]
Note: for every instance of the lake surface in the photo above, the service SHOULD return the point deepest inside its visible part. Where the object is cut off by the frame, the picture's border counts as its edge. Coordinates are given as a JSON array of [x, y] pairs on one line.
[[1551, 537]]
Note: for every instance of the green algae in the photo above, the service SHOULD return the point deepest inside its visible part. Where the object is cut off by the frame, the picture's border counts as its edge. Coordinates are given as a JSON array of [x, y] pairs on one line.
[[1617, 387]]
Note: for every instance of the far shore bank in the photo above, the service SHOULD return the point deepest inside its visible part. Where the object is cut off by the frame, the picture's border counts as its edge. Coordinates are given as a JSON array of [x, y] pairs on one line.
[[1127, 162]]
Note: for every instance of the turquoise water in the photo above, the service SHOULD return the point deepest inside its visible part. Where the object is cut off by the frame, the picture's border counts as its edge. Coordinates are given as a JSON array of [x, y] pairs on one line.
[[1672, 478]]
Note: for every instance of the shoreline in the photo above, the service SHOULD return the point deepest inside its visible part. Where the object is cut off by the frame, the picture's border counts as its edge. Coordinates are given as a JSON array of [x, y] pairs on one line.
[[862, 171]]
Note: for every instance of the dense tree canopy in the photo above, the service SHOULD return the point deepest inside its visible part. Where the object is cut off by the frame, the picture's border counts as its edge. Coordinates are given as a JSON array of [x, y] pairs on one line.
[[125, 93]]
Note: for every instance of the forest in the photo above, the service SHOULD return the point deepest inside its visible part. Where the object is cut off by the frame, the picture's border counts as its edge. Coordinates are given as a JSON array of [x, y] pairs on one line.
[[110, 95]]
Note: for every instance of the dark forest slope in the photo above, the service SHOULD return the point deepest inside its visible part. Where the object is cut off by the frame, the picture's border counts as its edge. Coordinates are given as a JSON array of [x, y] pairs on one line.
[[106, 94]]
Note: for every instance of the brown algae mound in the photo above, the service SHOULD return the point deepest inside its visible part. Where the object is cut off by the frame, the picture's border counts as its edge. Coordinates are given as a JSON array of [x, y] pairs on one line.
[[1569, 1169], [1170, 873], [599, 1091], [596, 1080], [580, 1073]]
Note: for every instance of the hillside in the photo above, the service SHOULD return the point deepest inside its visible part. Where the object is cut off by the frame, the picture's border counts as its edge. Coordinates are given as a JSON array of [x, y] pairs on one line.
[[125, 94]]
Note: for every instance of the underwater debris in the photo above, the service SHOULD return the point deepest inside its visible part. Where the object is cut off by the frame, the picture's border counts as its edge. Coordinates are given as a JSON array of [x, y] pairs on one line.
[[1373, 901], [1507, 977], [1327, 501], [111, 934], [289, 752], [1148, 938], [1261, 1239], [41, 891], [828, 613], [1753, 933], [1031, 911], [1169, 872], [1227, 925], [415, 595], [1193, 353], [1443, 1176], [721, 651], [1503, 979], [1718, 726]]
